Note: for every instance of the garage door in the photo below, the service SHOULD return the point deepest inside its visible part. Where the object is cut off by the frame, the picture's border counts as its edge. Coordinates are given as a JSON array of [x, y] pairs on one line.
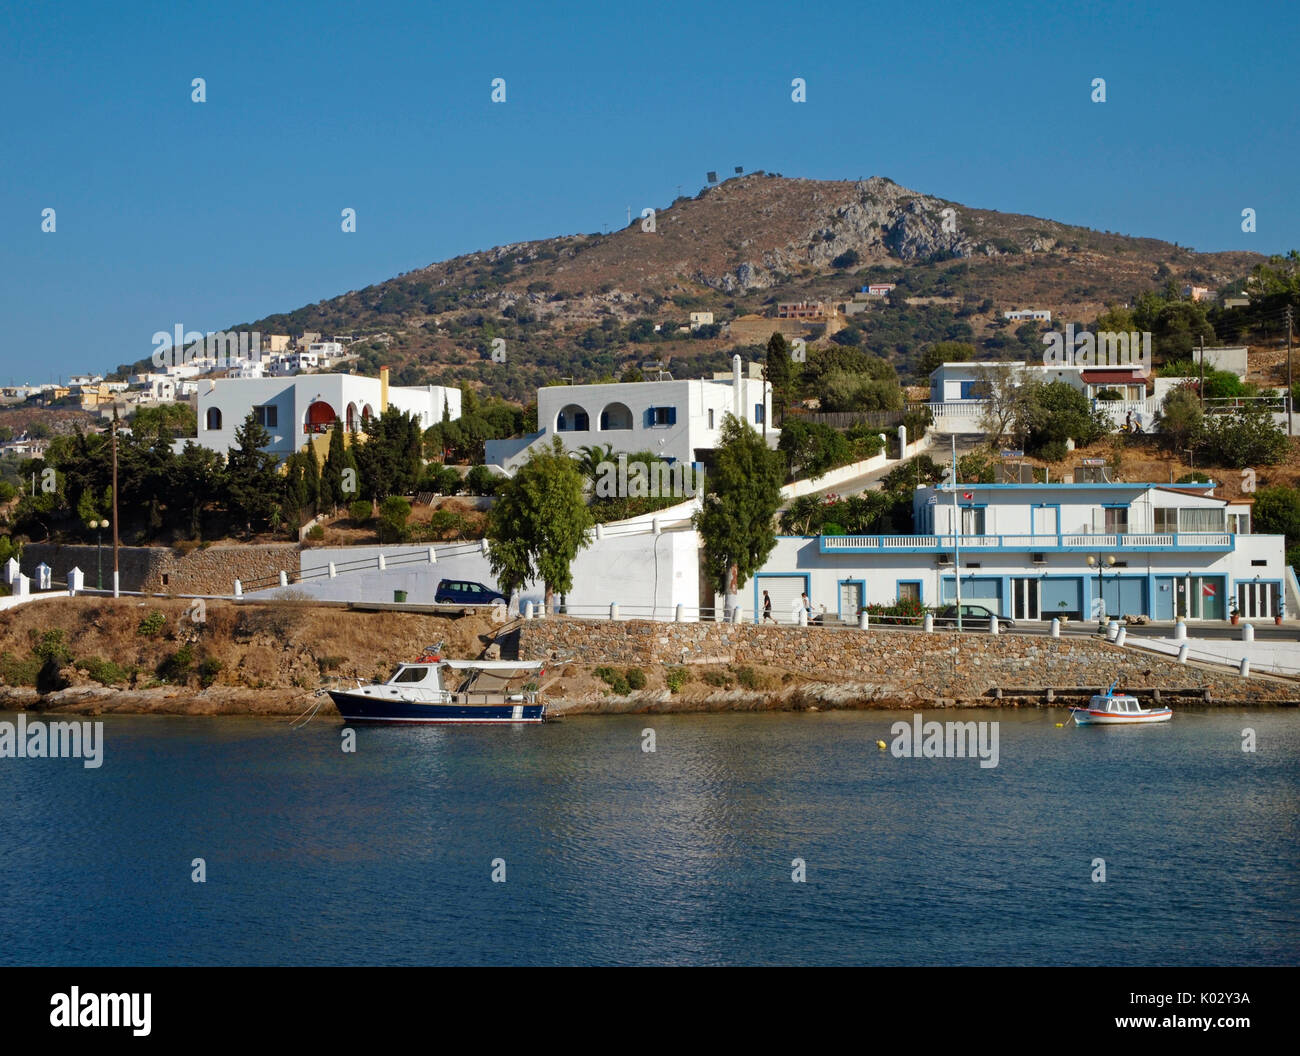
[[1125, 596], [981, 590], [784, 591]]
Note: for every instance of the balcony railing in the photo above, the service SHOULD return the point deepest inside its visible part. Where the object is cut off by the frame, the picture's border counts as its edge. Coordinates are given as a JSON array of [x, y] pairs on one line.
[[1061, 543]]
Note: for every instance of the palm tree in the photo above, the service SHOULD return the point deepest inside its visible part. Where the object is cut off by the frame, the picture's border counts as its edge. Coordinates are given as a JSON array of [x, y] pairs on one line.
[[591, 457]]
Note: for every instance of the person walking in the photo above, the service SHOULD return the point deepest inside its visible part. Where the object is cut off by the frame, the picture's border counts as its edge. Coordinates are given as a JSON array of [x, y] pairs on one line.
[[807, 605], [767, 607]]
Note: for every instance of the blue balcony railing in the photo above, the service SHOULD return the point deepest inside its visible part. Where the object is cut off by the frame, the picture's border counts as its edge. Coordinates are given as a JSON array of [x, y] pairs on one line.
[[1059, 543]]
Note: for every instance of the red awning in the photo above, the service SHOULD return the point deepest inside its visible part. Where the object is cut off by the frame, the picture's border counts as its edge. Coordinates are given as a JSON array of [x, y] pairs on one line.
[[1111, 377]]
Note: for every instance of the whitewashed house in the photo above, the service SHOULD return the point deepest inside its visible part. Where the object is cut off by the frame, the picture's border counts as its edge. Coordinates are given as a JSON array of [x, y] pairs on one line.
[[294, 409], [1034, 551], [678, 420]]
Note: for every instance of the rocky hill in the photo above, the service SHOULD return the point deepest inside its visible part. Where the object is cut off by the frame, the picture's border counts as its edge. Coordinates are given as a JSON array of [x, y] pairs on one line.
[[585, 306]]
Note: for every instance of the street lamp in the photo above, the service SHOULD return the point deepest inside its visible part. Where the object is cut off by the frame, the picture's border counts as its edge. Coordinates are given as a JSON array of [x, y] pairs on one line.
[[1099, 563], [99, 527]]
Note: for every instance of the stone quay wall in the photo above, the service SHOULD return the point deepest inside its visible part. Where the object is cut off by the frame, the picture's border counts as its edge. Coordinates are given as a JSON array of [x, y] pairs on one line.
[[903, 665], [163, 570]]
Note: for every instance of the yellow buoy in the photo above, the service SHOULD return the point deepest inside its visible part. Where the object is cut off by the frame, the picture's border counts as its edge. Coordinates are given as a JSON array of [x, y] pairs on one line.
[[880, 745], [1059, 725]]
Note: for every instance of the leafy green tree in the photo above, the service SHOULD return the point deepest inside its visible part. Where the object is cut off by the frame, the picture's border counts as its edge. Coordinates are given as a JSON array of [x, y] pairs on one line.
[[1276, 512], [197, 481], [780, 371], [744, 493], [176, 420], [539, 523], [1243, 438], [394, 512], [1056, 412], [812, 449], [334, 478], [253, 484], [1181, 420], [942, 352]]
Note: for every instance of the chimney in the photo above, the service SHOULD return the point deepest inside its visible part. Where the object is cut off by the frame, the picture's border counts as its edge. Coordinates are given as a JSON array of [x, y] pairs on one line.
[[737, 401], [383, 389]]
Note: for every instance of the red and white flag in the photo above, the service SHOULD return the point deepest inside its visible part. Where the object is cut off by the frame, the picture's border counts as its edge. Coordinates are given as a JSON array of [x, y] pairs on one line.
[[1208, 590]]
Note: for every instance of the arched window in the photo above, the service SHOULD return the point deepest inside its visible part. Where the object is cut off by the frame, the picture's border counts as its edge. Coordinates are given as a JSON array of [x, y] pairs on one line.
[[572, 419], [214, 418], [320, 417], [616, 416]]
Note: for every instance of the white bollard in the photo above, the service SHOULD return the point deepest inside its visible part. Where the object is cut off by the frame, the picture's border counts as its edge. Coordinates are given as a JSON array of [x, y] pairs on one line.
[[334, 572], [679, 613], [613, 610], [864, 620], [1245, 667], [379, 561], [1056, 627], [738, 614], [483, 546], [1180, 631], [1182, 653], [284, 578], [902, 441], [993, 625], [600, 530], [1112, 630], [117, 584], [1247, 632], [239, 589], [1119, 638], [528, 610], [654, 527], [928, 623], [433, 556], [76, 581]]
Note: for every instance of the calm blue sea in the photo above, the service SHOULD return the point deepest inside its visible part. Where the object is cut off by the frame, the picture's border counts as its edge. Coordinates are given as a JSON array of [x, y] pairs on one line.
[[613, 855]]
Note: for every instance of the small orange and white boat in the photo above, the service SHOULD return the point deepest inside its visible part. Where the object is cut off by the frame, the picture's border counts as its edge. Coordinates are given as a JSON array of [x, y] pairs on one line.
[[1118, 709]]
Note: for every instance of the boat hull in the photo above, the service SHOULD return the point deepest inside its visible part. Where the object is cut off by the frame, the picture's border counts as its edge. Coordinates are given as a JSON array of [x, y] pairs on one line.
[[1095, 718], [354, 707]]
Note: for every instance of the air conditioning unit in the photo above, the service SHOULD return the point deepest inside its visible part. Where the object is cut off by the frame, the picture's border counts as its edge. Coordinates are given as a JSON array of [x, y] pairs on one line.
[[1038, 559], [943, 559]]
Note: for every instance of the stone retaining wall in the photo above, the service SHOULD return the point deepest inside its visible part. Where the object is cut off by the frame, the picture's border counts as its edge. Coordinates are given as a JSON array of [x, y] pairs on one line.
[[162, 570], [909, 663]]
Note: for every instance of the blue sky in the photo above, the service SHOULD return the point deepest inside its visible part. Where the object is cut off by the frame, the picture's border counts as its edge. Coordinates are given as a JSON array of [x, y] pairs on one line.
[[213, 214]]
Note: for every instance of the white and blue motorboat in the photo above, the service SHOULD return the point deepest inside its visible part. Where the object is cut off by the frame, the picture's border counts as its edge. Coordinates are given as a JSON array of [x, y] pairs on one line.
[[1118, 709], [434, 690]]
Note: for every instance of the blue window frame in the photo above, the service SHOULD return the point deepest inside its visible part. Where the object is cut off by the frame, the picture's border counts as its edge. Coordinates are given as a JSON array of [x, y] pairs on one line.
[[660, 417]]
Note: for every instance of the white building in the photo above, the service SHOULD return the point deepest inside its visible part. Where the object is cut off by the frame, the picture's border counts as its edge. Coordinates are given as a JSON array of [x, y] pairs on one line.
[[156, 388], [678, 420], [294, 409], [699, 319], [1035, 551], [325, 351], [1039, 314], [958, 392]]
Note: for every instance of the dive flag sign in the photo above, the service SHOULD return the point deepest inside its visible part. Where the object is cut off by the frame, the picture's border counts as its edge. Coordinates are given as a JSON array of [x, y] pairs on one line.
[[1208, 590]]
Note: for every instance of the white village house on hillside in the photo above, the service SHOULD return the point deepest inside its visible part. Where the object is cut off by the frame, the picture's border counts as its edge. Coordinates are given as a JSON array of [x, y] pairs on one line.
[[296, 408], [677, 420]]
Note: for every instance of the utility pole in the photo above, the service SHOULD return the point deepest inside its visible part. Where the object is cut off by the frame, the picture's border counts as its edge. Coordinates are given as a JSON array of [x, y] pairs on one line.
[[115, 535], [1290, 389], [956, 532], [1201, 386]]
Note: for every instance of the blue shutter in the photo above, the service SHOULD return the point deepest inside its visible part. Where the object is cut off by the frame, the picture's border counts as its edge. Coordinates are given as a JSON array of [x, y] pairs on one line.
[[672, 415], [649, 417]]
